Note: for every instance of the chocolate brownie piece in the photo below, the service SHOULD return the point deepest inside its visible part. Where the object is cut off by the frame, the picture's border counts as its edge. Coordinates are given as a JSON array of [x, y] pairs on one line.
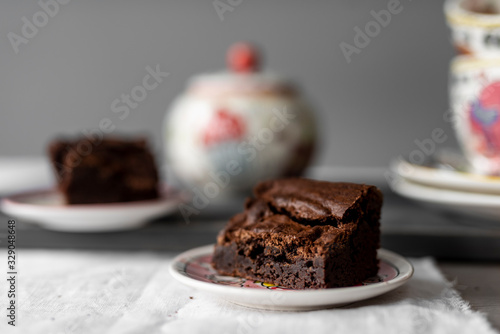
[[301, 234], [104, 171]]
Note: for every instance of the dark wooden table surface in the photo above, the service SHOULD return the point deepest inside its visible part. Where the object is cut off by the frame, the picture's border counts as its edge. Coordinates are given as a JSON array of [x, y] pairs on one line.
[[478, 283]]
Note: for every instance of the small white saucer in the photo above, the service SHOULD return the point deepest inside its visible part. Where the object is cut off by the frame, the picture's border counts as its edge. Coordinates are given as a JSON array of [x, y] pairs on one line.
[[469, 203], [47, 208], [193, 269], [446, 178], [24, 173]]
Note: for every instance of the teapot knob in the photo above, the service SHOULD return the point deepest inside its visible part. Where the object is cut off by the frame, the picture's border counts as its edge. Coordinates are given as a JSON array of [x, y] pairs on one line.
[[243, 58]]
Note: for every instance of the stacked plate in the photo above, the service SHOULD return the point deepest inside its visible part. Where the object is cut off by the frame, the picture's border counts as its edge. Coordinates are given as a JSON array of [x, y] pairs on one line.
[[444, 181]]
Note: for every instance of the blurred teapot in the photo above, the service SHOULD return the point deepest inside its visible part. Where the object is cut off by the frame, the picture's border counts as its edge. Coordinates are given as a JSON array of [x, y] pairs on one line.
[[231, 129]]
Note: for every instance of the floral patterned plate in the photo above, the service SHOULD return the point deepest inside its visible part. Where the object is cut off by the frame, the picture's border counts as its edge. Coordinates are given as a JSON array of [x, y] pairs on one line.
[[193, 269]]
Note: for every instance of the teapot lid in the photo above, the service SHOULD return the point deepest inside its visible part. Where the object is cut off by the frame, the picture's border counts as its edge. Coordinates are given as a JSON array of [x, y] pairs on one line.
[[242, 77]]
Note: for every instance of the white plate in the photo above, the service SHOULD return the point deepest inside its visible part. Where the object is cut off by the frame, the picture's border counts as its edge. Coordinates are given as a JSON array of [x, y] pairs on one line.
[[193, 268], [476, 204], [446, 178], [48, 209], [24, 173]]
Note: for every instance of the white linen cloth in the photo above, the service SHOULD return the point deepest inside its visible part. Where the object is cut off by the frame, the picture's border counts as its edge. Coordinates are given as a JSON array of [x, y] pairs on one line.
[[75, 292]]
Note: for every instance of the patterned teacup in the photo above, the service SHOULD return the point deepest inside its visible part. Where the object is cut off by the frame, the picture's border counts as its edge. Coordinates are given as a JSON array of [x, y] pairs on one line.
[[475, 102]]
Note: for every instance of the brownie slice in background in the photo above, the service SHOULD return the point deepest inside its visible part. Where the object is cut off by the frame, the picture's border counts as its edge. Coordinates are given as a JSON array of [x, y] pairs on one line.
[[105, 171], [300, 234]]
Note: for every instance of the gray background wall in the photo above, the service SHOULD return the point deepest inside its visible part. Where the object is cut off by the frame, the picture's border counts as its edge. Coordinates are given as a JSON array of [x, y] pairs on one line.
[[66, 77]]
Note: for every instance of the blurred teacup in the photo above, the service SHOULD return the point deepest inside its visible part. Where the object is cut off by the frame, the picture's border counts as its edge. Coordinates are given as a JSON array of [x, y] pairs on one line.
[[475, 25], [475, 104]]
